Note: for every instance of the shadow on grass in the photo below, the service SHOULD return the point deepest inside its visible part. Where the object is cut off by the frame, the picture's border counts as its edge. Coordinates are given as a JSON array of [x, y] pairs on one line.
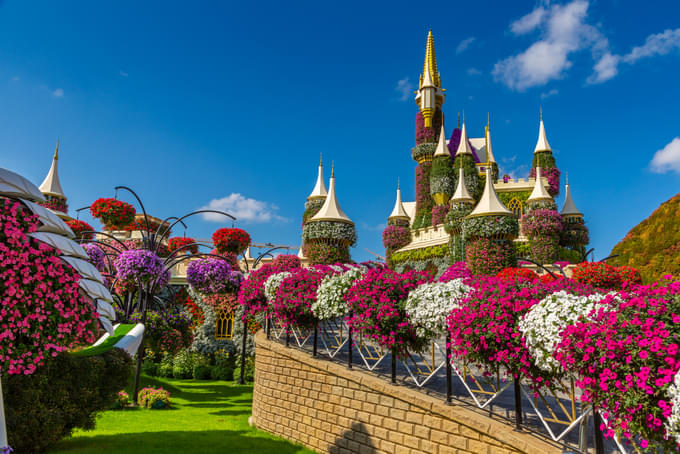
[[204, 442]]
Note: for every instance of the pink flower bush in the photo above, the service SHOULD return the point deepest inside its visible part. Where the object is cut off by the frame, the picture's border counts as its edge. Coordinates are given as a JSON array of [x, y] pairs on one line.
[[251, 293], [295, 296], [395, 237], [458, 270], [487, 256], [377, 308], [42, 311], [553, 176], [627, 357], [439, 213]]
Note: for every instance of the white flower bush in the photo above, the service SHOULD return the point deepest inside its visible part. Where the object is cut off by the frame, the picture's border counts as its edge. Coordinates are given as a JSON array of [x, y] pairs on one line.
[[428, 306], [329, 302], [673, 422], [543, 325], [272, 284]]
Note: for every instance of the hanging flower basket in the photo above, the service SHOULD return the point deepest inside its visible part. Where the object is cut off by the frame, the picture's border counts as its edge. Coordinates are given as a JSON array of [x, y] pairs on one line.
[[212, 275], [141, 265], [79, 227], [114, 214], [231, 240], [177, 242]]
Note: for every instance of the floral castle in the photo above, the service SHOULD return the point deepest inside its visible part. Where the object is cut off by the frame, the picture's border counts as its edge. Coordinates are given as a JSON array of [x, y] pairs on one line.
[[463, 211]]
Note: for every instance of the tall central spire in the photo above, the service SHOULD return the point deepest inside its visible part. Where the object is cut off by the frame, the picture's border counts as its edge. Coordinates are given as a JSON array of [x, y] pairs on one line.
[[430, 65], [430, 95]]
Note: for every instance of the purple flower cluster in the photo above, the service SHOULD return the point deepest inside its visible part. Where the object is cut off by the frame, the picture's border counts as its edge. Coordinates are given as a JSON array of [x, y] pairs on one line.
[[553, 176], [97, 256], [454, 142], [212, 275], [142, 265]]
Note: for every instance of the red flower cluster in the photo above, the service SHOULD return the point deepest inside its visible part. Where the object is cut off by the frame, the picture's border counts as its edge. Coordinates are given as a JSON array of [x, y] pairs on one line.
[[79, 227], [517, 274], [114, 214], [177, 242], [139, 224], [231, 240], [42, 310], [601, 275]]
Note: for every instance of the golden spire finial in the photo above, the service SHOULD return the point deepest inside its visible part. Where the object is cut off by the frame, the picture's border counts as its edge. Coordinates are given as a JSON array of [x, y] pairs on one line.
[[463, 116], [430, 64], [567, 178], [332, 169], [56, 151], [541, 110], [398, 183], [488, 120], [458, 120], [321, 159]]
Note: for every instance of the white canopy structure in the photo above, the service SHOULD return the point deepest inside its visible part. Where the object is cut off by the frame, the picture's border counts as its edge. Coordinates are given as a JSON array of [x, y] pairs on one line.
[[489, 204]]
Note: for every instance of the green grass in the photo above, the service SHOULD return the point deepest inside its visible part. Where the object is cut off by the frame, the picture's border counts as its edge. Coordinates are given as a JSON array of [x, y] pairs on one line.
[[207, 417]]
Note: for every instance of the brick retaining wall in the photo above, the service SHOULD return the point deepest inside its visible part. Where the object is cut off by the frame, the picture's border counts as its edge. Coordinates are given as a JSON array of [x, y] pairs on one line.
[[329, 408]]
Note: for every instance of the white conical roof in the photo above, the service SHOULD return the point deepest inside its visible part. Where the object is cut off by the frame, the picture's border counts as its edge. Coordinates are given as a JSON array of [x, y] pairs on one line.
[[331, 211], [489, 150], [300, 254], [542, 143], [569, 208], [442, 149], [464, 145], [489, 204], [319, 190], [461, 194], [398, 212], [51, 185], [247, 255], [539, 192]]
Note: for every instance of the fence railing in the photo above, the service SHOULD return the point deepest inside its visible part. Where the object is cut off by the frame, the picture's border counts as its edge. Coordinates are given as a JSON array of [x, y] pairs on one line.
[[554, 412]]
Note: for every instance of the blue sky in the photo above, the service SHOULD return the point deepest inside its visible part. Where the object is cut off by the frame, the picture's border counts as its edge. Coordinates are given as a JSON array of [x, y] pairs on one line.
[[233, 102]]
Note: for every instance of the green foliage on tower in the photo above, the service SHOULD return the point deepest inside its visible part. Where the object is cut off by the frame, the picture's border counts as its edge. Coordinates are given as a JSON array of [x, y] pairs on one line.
[[473, 182], [442, 180]]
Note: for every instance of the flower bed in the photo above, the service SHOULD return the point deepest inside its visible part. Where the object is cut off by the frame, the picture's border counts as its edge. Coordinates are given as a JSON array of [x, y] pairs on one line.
[[486, 256], [153, 398]]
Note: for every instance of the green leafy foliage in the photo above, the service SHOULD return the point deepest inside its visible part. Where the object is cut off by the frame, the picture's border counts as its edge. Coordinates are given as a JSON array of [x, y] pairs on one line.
[[441, 250], [473, 182], [490, 226], [442, 179], [66, 393], [653, 246], [506, 197], [311, 208], [544, 160], [423, 218]]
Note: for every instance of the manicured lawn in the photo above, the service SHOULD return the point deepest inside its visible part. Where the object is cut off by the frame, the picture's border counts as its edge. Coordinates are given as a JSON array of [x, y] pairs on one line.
[[208, 417]]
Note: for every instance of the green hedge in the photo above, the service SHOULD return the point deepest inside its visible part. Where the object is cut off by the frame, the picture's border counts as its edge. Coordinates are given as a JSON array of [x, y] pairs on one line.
[[441, 250], [64, 394]]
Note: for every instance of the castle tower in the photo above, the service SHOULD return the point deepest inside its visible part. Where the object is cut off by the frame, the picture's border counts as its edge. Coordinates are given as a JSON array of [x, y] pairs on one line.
[[430, 95], [442, 178], [490, 158], [399, 215], [543, 158], [540, 197], [575, 234], [569, 208], [51, 189], [465, 160]]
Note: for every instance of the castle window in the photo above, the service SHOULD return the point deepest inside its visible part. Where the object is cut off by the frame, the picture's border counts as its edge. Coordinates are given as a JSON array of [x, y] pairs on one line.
[[224, 326], [516, 207]]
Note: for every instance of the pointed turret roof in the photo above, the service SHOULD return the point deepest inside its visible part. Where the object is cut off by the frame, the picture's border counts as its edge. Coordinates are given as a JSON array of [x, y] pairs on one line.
[[464, 145], [542, 143], [331, 211], [569, 207], [430, 75], [487, 135], [489, 204], [539, 192], [300, 254], [442, 149], [398, 212], [51, 185], [319, 191], [462, 194]]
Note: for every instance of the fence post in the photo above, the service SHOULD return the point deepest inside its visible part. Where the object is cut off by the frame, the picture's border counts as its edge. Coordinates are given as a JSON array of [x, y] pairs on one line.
[[316, 336], [349, 347], [269, 326], [448, 369], [518, 405], [394, 366], [599, 442], [287, 336], [241, 379]]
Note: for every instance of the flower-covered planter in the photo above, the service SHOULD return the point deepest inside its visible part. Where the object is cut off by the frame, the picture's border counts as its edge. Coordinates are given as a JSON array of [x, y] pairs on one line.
[[55, 203], [294, 298], [395, 237], [178, 242], [113, 214], [82, 229], [488, 256], [330, 232], [213, 275], [97, 256], [501, 227], [549, 171], [442, 180], [377, 309], [428, 306], [330, 294], [575, 234], [140, 266], [231, 240], [326, 254]]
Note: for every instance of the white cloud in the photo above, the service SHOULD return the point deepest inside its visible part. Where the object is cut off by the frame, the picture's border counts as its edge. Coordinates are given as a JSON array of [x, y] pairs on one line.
[[473, 72], [58, 93], [550, 93], [606, 68], [668, 158], [404, 88], [242, 208], [372, 227], [564, 31], [659, 44], [123, 73], [529, 22], [15, 78], [464, 44]]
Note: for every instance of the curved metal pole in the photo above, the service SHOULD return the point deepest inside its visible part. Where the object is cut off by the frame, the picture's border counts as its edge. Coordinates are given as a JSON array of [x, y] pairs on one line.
[[146, 217], [610, 257], [108, 235], [187, 257], [265, 253], [199, 212], [185, 247], [104, 244], [163, 222], [540, 266], [584, 257]]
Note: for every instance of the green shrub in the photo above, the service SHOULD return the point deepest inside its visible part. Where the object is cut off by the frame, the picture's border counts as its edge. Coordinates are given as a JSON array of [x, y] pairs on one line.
[[183, 365], [155, 399], [150, 368], [202, 372], [222, 373], [165, 370], [249, 374], [64, 394]]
